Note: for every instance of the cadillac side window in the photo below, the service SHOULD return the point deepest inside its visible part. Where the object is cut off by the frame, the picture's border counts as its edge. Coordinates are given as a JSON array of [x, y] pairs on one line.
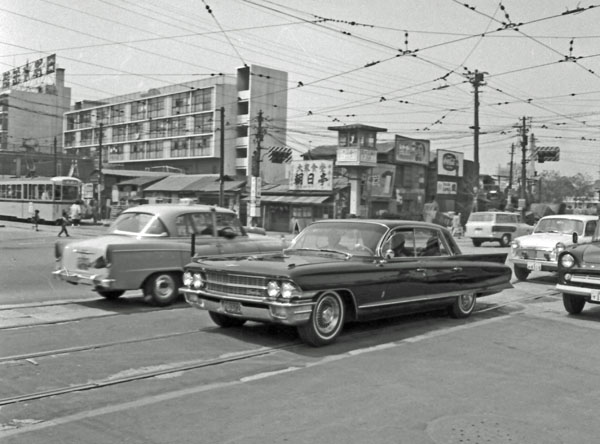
[[399, 244], [428, 243], [202, 223]]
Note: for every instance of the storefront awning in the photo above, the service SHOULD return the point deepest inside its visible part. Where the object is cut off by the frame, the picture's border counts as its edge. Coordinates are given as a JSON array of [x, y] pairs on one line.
[[298, 200]]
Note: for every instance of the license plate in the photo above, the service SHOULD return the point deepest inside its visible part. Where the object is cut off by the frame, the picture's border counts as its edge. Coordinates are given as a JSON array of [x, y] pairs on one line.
[[232, 307], [595, 295], [83, 263], [535, 266]]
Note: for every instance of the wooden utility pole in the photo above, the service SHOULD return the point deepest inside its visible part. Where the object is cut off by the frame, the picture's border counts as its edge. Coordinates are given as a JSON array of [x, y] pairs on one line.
[[476, 80], [523, 159], [222, 167], [512, 155], [100, 205], [55, 158]]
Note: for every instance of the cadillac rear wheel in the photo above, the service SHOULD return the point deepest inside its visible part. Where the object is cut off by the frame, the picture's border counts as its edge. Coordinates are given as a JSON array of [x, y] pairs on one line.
[[110, 294], [226, 321], [573, 304], [163, 288], [326, 321], [463, 306]]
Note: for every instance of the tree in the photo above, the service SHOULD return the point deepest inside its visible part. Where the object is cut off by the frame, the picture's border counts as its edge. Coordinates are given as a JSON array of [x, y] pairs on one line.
[[557, 188]]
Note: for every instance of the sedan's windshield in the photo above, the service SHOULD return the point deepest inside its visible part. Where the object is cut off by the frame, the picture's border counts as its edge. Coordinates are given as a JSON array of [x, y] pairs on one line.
[[355, 238], [559, 225], [138, 224]]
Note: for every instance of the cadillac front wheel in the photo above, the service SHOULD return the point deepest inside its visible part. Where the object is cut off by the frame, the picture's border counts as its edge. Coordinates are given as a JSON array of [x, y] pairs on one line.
[[326, 321]]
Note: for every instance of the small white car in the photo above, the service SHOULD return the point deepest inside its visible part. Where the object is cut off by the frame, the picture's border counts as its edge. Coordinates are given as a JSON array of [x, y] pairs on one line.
[[495, 226], [552, 234]]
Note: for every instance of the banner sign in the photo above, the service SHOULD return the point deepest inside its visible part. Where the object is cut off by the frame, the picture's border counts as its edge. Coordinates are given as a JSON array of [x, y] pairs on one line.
[[381, 181], [450, 163], [446, 187], [29, 71], [411, 150], [311, 175]]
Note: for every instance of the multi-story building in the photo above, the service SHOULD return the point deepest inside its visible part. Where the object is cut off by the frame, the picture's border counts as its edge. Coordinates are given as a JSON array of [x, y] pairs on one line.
[[181, 126], [31, 121]]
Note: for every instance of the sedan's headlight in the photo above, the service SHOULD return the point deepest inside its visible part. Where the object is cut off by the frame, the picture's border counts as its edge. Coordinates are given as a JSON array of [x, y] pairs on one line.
[[567, 260], [187, 279], [197, 281], [273, 289]]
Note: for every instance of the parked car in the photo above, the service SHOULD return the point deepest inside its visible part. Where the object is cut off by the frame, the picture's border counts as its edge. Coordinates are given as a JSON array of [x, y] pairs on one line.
[[346, 270], [552, 234], [579, 274], [147, 247], [495, 226]]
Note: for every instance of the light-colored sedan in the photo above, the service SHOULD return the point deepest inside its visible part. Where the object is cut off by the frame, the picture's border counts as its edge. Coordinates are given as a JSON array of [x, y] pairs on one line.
[[148, 246], [552, 235]]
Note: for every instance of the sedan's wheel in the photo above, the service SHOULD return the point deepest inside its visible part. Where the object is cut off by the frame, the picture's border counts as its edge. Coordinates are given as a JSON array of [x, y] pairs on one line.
[[110, 294], [226, 321], [521, 273], [476, 242], [326, 320], [573, 304], [505, 240], [463, 305], [163, 288]]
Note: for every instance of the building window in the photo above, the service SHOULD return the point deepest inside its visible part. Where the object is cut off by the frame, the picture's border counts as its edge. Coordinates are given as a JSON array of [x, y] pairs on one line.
[[156, 107], [85, 119], [179, 148], [203, 123], [158, 128], [86, 137], [117, 114], [178, 127], [72, 121], [134, 131], [137, 151], [202, 100], [180, 104], [155, 150], [69, 139], [119, 133], [138, 110], [200, 146], [115, 153], [101, 115]]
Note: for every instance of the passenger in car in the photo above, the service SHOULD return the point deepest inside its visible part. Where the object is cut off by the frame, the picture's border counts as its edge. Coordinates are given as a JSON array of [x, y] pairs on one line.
[[397, 245], [432, 248]]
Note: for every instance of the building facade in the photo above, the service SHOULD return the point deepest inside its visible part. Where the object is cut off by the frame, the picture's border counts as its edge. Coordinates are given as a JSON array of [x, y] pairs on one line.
[[192, 126]]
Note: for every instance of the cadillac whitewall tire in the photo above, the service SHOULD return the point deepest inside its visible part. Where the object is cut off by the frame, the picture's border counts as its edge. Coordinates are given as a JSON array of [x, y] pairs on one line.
[[463, 306], [110, 294], [226, 321], [326, 321], [163, 288], [573, 304]]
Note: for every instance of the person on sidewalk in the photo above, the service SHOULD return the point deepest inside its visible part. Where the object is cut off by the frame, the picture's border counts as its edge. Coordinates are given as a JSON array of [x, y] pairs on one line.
[[35, 220], [64, 221]]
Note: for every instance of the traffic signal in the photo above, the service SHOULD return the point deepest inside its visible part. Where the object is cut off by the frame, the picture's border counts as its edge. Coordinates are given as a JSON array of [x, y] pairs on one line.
[[548, 154]]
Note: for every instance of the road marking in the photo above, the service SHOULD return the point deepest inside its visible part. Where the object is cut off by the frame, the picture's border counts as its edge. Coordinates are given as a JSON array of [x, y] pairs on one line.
[[150, 400]]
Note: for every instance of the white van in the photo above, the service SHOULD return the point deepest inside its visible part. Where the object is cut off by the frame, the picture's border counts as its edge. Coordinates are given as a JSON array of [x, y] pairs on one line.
[[495, 226]]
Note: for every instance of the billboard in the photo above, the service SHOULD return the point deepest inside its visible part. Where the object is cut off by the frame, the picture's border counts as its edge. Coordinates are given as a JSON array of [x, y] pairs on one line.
[[29, 71], [411, 150], [311, 175], [450, 163], [446, 187], [381, 181]]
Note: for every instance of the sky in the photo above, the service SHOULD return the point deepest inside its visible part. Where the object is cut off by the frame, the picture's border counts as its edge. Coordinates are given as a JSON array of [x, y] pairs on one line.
[[403, 65]]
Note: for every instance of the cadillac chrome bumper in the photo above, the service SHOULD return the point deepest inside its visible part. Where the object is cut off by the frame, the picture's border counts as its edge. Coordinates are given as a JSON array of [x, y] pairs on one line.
[[286, 313]]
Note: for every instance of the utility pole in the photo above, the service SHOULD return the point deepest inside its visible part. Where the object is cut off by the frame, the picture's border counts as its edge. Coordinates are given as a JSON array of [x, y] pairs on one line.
[[476, 80], [55, 158], [255, 182], [512, 155], [222, 167], [100, 206], [523, 159]]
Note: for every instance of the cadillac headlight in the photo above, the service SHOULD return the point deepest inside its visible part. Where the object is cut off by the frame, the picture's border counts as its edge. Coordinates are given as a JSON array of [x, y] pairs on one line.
[[197, 281], [288, 290], [567, 260], [187, 279], [273, 289]]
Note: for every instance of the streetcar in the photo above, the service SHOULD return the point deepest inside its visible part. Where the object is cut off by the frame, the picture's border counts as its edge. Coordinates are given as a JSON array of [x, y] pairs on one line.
[[21, 196]]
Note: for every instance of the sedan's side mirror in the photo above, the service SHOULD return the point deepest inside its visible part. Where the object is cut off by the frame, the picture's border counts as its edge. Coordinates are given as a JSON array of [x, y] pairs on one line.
[[575, 237]]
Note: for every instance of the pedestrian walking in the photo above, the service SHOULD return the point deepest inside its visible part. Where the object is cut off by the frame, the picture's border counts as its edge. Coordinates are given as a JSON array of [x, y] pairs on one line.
[[457, 229], [35, 220], [76, 213], [64, 221]]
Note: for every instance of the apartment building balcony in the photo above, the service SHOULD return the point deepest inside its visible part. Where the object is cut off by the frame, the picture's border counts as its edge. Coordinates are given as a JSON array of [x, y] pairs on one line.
[[244, 95], [241, 163], [242, 141], [243, 119]]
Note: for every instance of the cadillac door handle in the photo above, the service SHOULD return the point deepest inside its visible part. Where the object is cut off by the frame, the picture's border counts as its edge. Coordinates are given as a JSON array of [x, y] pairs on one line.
[[457, 269], [420, 270]]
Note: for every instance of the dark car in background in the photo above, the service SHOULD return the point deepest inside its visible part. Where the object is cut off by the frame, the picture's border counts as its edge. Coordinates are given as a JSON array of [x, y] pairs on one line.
[[337, 271], [147, 247]]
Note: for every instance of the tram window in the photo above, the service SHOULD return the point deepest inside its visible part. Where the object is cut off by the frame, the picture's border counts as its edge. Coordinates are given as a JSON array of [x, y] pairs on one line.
[[70, 192], [46, 191], [2, 191], [57, 192]]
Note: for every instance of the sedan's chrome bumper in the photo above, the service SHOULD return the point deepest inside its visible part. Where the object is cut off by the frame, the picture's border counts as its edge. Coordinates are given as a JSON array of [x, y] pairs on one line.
[[572, 289], [96, 281], [269, 311], [534, 265]]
